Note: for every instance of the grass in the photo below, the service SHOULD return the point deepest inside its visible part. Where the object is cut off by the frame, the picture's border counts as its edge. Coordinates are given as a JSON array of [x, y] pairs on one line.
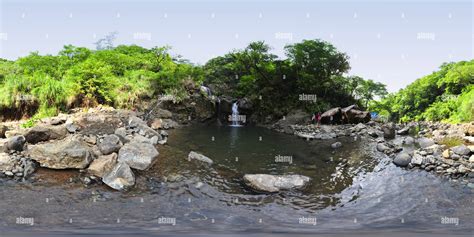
[[451, 141]]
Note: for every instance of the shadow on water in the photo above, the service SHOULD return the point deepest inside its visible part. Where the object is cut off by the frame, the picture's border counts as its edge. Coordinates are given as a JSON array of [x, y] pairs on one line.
[[352, 188]]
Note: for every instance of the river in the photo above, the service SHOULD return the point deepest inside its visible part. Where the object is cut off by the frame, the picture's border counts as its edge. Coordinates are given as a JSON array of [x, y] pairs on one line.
[[353, 190]]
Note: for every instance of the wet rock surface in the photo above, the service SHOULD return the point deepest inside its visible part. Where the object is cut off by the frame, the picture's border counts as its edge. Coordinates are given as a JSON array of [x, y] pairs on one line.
[[199, 157], [120, 177], [274, 183]]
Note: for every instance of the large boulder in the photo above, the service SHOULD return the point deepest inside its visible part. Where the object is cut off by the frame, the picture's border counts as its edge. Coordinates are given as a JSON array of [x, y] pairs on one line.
[[424, 142], [274, 183], [200, 157], [70, 153], [388, 131], [103, 165], [352, 114], [402, 159], [109, 144], [97, 122], [16, 143], [332, 116], [461, 150], [45, 133], [138, 155], [120, 177]]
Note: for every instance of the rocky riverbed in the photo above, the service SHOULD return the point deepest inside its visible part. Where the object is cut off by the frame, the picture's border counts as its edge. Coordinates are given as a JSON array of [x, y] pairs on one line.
[[104, 144], [418, 145]]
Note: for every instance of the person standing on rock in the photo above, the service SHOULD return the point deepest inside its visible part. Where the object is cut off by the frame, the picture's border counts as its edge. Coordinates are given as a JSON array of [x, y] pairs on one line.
[[318, 118]]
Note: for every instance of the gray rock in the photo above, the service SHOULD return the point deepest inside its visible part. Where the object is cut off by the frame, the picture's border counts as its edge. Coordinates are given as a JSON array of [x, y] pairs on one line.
[[16, 143], [463, 169], [6, 162], [29, 168], [402, 159], [69, 153], [424, 142], [103, 165], [110, 144], [388, 131], [72, 128], [359, 127], [200, 157], [455, 157], [154, 140], [45, 133], [409, 141], [138, 155], [461, 150], [274, 183], [163, 113], [91, 139], [169, 124], [142, 127], [403, 131], [120, 177], [336, 145], [417, 159], [122, 132], [382, 147]]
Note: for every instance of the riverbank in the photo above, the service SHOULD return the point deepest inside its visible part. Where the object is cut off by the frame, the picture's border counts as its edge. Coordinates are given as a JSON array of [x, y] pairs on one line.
[[441, 148], [104, 144]]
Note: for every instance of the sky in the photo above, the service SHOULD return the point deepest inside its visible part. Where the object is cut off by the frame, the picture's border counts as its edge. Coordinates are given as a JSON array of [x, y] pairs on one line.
[[393, 42]]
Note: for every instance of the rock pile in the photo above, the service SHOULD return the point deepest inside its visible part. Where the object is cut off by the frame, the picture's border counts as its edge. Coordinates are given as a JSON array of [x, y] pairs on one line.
[[105, 142]]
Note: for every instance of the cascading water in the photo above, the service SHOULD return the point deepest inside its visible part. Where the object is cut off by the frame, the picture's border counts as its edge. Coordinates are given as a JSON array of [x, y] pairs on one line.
[[206, 90], [235, 115]]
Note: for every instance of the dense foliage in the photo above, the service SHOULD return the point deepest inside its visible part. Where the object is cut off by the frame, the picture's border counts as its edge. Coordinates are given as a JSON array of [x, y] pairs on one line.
[[312, 67], [122, 76], [444, 95], [77, 76]]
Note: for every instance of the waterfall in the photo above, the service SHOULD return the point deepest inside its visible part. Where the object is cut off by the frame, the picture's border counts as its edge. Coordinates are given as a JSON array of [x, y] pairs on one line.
[[206, 90], [235, 115]]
